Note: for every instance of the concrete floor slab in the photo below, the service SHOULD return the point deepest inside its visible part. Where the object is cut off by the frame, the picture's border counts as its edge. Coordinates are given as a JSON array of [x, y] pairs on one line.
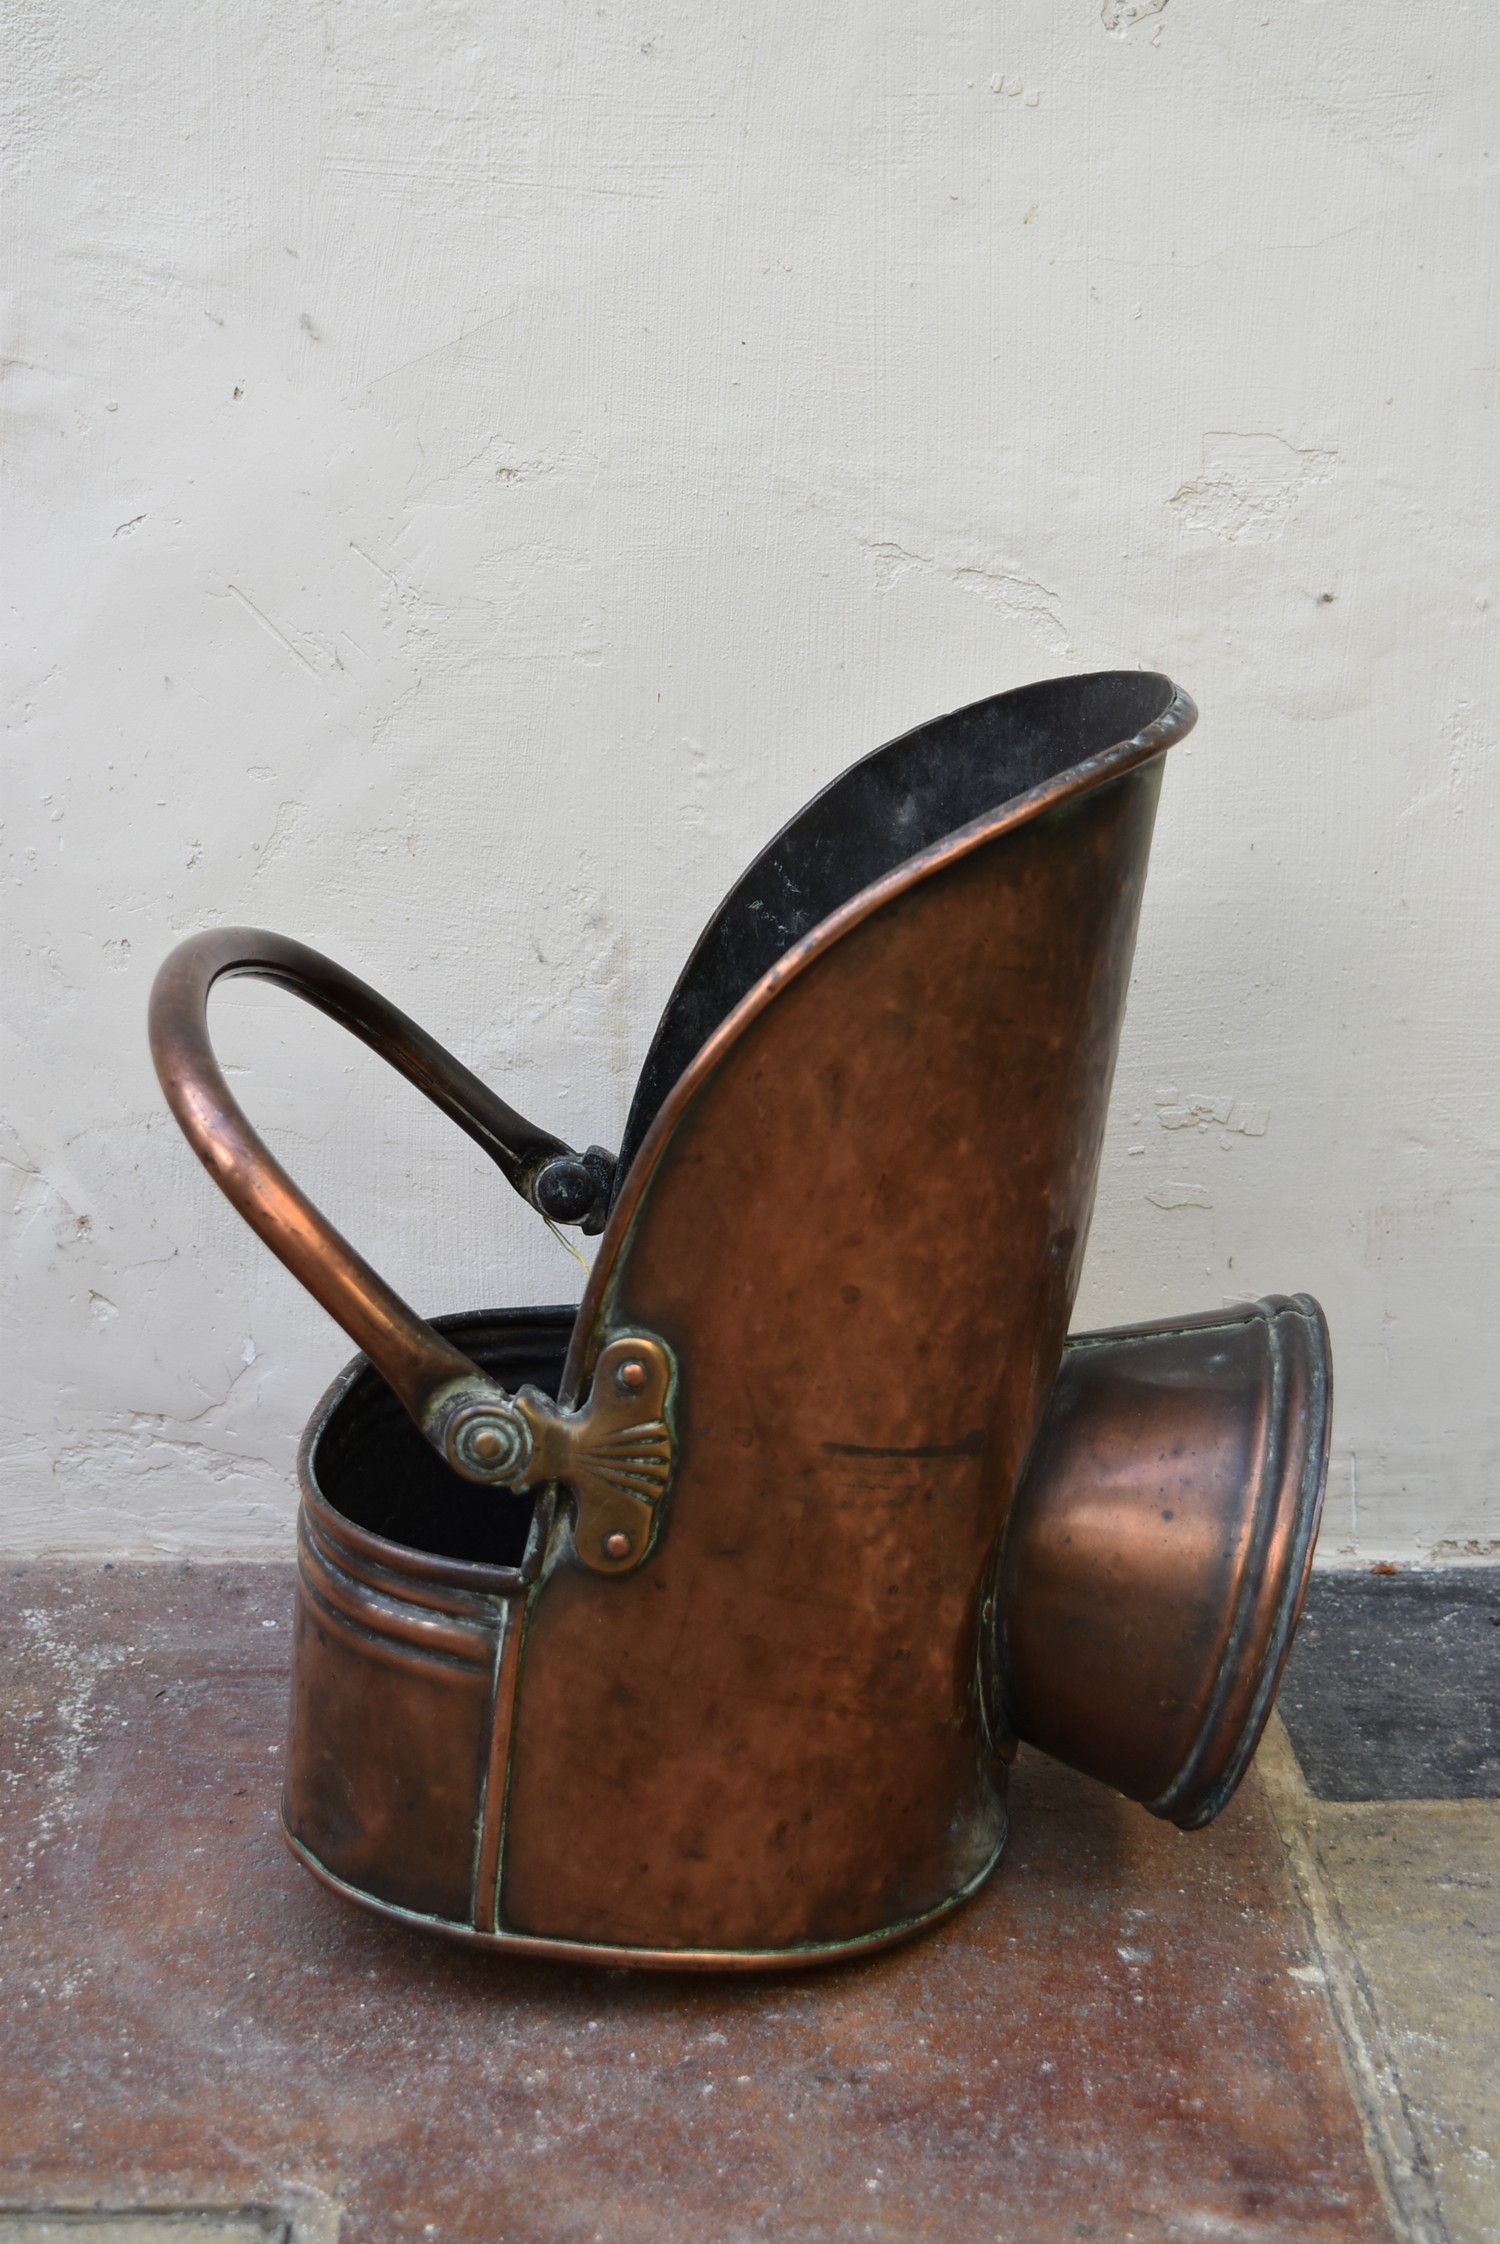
[[1403, 1900], [1126, 2037], [1418, 1890]]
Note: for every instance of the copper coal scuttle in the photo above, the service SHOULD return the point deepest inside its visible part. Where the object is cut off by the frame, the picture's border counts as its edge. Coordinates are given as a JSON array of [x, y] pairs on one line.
[[697, 1625]]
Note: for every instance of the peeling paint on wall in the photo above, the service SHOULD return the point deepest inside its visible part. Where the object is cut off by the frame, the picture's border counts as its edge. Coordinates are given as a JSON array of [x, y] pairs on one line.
[[474, 472], [1250, 485], [1018, 597], [1216, 1110], [1121, 16], [1179, 1196]]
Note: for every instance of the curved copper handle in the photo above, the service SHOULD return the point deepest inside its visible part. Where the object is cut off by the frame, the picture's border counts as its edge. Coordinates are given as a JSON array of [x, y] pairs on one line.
[[514, 1441]]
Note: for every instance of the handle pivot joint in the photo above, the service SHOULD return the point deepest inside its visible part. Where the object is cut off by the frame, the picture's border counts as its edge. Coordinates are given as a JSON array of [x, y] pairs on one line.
[[615, 1452], [575, 1188]]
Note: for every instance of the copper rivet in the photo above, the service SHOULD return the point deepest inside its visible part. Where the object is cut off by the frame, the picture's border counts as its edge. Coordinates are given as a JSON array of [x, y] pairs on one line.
[[617, 1545], [632, 1375], [486, 1443]]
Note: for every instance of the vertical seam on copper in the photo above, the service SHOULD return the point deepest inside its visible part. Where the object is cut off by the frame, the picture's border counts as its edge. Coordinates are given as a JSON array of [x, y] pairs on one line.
[[484, 1902]]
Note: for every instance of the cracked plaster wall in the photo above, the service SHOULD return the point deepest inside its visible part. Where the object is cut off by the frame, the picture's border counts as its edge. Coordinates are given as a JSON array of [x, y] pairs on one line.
[[474, 471]]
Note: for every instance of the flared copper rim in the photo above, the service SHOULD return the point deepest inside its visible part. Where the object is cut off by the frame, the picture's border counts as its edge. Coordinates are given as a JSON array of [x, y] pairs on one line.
[[1300, 1349]]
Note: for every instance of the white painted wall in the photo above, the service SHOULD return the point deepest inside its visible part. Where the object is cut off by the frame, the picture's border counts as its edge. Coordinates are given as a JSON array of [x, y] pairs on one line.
[[477, 469]]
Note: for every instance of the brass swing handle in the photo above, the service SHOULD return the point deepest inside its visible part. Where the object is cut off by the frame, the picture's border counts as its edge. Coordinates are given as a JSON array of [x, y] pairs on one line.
[[615, 1450]]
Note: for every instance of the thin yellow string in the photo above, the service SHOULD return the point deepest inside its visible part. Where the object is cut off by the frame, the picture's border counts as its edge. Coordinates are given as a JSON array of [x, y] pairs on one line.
[[565, 1243]]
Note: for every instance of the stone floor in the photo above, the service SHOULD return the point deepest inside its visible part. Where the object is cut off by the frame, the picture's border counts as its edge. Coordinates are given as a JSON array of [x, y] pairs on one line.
[[1271, 2032], [1385, 1783]]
